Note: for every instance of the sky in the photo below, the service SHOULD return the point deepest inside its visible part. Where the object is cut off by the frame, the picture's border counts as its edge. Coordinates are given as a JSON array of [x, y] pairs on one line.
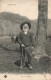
[[28, 8]]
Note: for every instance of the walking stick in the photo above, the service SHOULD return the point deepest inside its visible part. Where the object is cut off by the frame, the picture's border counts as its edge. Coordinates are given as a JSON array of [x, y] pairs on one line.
[[21, 64]]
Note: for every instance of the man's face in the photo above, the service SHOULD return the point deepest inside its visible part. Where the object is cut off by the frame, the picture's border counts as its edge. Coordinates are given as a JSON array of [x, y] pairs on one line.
[[25, 28]]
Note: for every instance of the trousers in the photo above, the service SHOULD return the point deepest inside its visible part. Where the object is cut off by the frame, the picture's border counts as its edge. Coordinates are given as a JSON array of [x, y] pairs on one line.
[[26, 51]]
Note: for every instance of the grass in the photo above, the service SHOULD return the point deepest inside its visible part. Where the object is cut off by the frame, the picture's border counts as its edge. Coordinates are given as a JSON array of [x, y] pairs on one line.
[[10, 58]]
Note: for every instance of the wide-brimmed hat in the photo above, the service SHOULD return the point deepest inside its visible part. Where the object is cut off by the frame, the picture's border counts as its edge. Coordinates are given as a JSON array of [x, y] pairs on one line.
[[26, 22]]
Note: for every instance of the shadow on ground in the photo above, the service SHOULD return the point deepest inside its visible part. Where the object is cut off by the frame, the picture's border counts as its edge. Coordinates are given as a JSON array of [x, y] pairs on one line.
[[41, 66]]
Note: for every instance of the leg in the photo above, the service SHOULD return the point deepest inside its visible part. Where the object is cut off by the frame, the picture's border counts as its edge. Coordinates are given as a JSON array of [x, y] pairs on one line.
[[29, 56], [29, 60]]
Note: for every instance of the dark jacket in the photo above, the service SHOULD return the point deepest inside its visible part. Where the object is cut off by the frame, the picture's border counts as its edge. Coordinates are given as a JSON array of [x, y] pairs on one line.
[[27, 39]]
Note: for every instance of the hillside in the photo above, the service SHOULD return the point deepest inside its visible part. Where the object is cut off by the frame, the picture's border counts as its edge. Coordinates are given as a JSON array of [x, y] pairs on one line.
[[14, 18], [10, 24]]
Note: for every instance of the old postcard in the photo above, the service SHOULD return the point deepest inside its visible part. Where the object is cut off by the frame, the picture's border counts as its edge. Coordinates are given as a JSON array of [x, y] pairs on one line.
[[25, 40]]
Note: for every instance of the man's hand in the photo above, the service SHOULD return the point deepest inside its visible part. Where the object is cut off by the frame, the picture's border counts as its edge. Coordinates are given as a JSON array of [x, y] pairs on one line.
[[22, 45]]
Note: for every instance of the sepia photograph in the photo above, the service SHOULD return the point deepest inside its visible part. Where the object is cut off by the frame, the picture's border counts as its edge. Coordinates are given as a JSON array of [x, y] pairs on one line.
[[25, 39]]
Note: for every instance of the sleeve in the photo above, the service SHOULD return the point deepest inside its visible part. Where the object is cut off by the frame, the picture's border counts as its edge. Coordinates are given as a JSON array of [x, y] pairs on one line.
[[19, 39], [32, 39]]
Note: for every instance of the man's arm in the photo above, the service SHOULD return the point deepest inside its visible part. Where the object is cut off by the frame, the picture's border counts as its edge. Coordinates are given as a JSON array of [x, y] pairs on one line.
[[32, 39], [19, 39]]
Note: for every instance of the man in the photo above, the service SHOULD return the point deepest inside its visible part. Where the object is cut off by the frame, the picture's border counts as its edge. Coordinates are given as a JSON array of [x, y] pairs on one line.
[[26, 42]]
